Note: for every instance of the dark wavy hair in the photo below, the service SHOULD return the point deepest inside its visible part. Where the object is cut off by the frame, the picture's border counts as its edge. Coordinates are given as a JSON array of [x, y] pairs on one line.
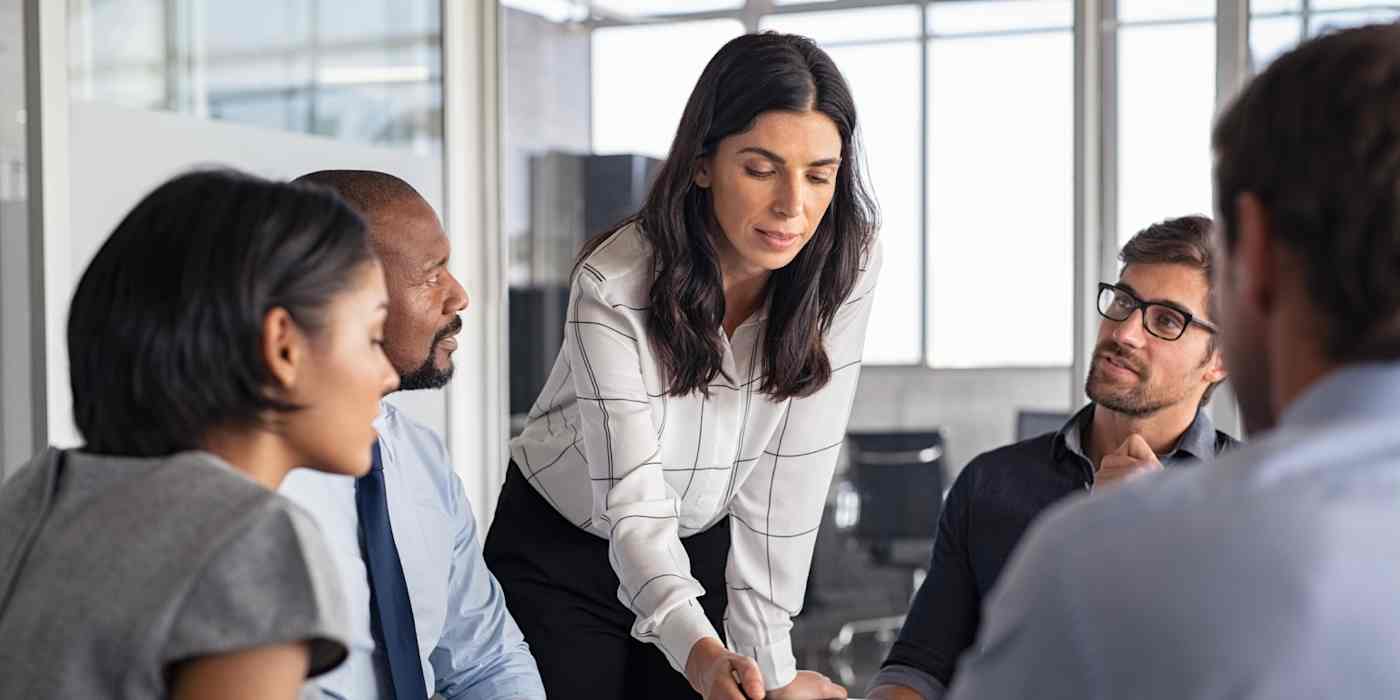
[[165, 329], [751, 75]]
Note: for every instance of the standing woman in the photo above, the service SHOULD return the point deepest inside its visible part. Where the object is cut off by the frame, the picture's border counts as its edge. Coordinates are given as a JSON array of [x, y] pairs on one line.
[[671, 478]]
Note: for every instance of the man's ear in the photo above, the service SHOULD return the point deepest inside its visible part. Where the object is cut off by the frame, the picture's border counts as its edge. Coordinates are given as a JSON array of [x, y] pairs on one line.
[[1215, 368], [1254, 261], [283, 349]]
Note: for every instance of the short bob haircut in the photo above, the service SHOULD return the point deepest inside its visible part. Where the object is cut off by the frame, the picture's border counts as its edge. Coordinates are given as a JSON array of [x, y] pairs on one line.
[[165, 330]]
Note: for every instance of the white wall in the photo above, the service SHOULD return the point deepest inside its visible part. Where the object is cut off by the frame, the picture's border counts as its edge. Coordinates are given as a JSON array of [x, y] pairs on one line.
[[119, 155]]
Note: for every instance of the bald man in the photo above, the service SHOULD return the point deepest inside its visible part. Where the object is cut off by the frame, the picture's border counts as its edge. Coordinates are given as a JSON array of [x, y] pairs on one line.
[[426, 615]]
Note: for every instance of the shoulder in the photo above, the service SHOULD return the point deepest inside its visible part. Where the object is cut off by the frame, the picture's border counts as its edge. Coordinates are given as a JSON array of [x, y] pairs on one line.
[[622, 260], [271, 579], [405, 437], [418, 454], [1009, 461]]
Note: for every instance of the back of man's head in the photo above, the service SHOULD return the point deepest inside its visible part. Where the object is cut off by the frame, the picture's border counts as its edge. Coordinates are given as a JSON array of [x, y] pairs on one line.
[[1316, 138]]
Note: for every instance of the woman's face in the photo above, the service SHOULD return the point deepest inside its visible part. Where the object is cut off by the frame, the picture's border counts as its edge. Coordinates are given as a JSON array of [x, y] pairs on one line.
[[770, 187], [345, 375]]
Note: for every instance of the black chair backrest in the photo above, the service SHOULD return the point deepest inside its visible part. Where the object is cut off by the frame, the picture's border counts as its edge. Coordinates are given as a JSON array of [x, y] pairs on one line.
[[899, 478], [1030, 424]]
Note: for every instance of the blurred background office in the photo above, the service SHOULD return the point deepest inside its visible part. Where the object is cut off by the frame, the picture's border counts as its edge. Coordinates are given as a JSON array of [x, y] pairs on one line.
[[1012, 144]]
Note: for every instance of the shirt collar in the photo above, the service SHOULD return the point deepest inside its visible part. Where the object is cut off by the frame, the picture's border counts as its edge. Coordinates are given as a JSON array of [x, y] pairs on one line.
[[1198, 441], [1354, 391]]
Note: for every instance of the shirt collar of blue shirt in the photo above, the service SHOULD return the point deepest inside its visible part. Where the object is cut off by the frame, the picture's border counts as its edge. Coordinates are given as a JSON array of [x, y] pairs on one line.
[[1348, 393], [1199, 440]]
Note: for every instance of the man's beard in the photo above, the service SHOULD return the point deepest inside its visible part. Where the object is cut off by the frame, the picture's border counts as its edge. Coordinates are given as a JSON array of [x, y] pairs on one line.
[[1137, 400], [429, 375]]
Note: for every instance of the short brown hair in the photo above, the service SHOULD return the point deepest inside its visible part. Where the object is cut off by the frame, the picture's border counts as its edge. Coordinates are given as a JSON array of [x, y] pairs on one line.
[[1184, 240], [1316, 137]]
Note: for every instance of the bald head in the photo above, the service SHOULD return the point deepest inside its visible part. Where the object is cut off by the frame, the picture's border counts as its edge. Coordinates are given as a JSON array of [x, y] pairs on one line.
[[368, 191], [424, 297]]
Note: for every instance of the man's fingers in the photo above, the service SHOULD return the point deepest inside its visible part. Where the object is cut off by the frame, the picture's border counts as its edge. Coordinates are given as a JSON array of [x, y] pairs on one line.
[[750, 678], [1138, 447], [1115, 463]]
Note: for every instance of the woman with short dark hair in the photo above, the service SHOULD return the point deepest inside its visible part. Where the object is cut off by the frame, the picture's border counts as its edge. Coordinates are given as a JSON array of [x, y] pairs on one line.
[[227, 332], [672, 475]]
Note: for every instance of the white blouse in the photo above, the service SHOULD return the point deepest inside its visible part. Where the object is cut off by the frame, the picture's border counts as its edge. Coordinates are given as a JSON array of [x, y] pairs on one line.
[[620, 459]]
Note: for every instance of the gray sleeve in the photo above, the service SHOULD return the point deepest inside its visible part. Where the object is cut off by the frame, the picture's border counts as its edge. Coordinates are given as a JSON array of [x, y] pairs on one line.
[[1033, 641], [271, 582]]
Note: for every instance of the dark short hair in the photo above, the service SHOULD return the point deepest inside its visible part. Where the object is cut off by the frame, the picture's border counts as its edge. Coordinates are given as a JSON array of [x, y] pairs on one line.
[[1316, 138], [1185, 240], [751, 75], [365, 190], [165, 329]]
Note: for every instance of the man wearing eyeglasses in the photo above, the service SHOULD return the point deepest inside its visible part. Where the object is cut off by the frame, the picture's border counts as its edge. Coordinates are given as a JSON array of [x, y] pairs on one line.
[[1154, 367]]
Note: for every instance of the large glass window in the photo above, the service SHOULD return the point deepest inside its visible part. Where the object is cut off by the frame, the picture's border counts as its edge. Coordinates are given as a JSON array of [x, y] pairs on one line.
[[642, 76], [1276, 26], [1001, 184], [1165, 109], [877, 51], [366, 72]]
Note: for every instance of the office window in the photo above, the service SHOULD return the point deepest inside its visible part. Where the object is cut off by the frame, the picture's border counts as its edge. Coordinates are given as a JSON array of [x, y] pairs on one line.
[[1275, 26], [1000, 188], [642, 76], [365, 72], [877, 50], [1165, 111]]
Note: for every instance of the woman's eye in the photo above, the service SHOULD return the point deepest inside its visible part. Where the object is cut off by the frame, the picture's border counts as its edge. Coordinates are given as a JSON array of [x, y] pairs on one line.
[[758, 173]]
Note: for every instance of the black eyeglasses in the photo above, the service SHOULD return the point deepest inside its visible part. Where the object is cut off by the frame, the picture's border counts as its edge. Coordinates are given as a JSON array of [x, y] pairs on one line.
[[1162, 320]]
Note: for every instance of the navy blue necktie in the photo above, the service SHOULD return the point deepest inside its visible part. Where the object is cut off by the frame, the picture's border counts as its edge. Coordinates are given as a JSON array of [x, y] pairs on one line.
[[390, 612]]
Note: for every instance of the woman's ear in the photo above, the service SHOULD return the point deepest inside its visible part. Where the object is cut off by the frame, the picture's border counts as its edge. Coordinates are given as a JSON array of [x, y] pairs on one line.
[[702, 173], [283, 349]]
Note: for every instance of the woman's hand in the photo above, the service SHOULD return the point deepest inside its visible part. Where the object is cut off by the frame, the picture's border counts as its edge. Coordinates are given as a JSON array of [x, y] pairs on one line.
[[719, 674], [808, 685]]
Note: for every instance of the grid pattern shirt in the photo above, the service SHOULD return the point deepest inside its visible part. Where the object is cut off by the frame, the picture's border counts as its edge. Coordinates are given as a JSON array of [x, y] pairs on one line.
[[612, 453]]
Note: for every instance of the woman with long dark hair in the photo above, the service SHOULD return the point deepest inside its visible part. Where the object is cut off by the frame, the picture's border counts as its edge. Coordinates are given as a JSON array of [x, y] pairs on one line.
[[671, 477], [227, 332]]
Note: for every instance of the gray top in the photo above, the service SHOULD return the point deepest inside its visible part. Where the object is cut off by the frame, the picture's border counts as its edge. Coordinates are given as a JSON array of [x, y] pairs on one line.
[[114, 569], [1270, 575]]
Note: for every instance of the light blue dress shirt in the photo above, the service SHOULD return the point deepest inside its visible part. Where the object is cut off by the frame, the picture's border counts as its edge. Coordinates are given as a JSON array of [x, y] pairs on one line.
[[1270, 575], [470, 646]]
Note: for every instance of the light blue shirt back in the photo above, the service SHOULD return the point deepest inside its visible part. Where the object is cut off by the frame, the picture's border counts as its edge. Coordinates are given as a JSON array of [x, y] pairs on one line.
[[470, 646], [1272, 574]]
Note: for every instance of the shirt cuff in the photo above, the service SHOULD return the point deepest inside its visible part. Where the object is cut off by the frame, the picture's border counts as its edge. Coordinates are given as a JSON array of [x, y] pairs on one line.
[[775, 662], [680, 630], [912, 678]]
